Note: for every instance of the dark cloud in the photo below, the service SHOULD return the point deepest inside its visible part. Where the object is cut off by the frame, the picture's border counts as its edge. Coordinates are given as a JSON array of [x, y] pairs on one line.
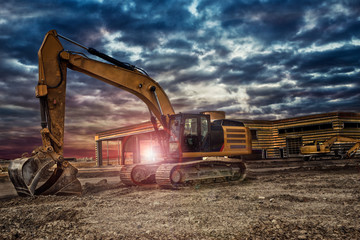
[[178, 44], [245, 72], [269, 21], [324, 61], [169, 62], [142, 23], [333, 23], [267, 95]]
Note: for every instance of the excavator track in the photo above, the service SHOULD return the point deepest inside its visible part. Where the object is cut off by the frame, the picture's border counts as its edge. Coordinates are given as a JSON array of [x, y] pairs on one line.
[[180, 174], [138, 174], [125, 175], [174, 175]]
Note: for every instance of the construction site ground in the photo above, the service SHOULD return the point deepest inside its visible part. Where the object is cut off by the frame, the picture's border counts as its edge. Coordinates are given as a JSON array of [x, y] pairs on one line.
[[278, 200]]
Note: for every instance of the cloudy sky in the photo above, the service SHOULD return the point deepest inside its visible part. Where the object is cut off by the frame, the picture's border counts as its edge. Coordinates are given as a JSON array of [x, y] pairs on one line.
[[252, 59]]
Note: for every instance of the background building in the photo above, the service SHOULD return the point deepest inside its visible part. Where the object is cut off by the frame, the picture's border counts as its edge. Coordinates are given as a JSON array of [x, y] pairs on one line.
[[270, 139], [283, 138]]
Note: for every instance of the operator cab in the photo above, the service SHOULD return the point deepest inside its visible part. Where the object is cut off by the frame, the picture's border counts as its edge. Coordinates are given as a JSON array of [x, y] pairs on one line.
[[189, 133]]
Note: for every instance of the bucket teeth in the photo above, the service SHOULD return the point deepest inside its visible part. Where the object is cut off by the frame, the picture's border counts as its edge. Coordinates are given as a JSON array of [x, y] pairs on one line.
[[26, 173]]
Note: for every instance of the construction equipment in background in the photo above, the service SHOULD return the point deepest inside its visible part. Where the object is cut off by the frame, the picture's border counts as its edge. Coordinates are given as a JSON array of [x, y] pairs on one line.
[[184, 139], [319, 149]]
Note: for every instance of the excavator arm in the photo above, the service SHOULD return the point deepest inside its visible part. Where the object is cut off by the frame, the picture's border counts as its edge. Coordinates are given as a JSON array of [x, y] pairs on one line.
[[352, 150], [27, 172], [53, 62], [325, 148]]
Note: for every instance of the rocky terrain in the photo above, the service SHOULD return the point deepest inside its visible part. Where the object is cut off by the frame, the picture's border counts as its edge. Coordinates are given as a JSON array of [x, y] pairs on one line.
[[282, 205]]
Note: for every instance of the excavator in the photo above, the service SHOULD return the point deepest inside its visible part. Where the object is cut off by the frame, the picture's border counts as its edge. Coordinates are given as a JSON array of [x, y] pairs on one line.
[[194, 147], [323, 148]]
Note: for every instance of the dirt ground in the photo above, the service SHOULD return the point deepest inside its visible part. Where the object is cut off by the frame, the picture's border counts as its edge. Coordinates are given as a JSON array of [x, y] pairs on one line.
[[292, 205]]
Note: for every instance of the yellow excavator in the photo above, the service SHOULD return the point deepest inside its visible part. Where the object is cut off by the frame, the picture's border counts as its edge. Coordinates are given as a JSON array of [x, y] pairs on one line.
[[318, 149], [187, 140]]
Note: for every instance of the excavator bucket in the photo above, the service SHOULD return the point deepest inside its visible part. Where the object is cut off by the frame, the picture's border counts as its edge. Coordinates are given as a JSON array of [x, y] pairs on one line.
[[27, 173]]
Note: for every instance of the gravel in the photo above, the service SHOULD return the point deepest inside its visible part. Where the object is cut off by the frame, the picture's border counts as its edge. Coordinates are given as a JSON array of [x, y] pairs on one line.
[[296, 205]]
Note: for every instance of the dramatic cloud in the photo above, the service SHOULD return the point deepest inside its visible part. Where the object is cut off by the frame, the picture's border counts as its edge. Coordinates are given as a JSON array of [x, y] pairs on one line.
[[253, 59]]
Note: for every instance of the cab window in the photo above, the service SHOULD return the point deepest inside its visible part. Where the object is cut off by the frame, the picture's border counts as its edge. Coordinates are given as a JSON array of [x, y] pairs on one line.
[[175, 129], [191, 138], [204, 128]]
